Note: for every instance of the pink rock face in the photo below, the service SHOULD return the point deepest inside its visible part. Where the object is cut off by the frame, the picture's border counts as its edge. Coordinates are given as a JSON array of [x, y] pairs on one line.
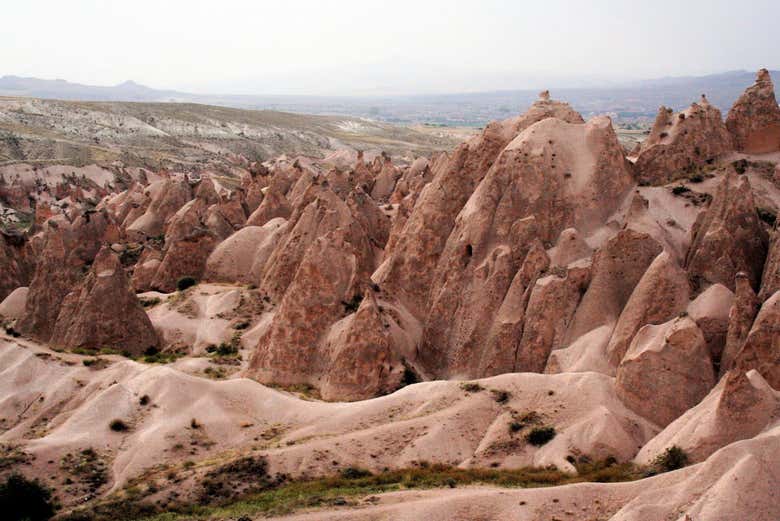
[[410, 267], [741, 315], [166, 198], [761, 350], [681, 143], [102, 311], [67, 251], [617, 268], [552, 176], [384, 183], [754, 120], [274, 205], [16, 263], [770, 280], [550, 309], [333, 271], [666, 371], [363, 358], [728, 237], [193, 233], [661, 294]]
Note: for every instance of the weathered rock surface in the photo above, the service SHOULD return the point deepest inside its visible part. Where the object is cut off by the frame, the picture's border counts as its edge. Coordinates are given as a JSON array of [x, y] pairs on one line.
[[166, 197], [16, 263], [728, 237], [67, 251], [761, 350], [661, 294], [242, 256], [754, 120], [739, 407], [552, 176], [363, 359], [666, 371], [710, 310], [680, 143], [770, 280], [13, 305], [409, 271], [102, 311], [618, 266], [741, 316]]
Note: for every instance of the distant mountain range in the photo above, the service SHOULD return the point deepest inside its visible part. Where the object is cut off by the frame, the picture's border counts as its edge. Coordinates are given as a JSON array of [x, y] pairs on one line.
[[630, 102]]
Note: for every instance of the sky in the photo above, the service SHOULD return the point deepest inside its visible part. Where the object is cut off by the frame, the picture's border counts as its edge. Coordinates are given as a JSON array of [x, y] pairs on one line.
[[378, 47]]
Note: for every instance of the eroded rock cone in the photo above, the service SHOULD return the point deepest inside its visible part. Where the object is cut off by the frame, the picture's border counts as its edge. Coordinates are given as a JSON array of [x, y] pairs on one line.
[[770, 280], [68, 250], [618, 266], [506, 331], [409, 271], [330, 277], [761, 350], [661, 294], [666, 371], [16, 263], [102, 311], [710, 310], [550, 309], [728, 237], [754, 120], [741, 316], [242, 256], [739, 407], [681, 143], [552, 176], [363, 361], [193, 233], [166, 197]]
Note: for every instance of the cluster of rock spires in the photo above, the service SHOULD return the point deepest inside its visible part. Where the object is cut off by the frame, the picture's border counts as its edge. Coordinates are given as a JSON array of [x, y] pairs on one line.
[[536, 246]]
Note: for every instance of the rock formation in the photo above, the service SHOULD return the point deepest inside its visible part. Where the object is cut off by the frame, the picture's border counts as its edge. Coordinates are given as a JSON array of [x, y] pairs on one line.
[[102, 311], [761, 349], [681, 143], [754, 120], [666, 371], [728, 237], [741, 316]]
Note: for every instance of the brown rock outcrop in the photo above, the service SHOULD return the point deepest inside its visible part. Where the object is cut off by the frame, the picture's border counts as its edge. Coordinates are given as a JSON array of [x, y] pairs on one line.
[[741, 316], [680, 143], [332, 274], [728, 237], [550, 309], [68, 249], [739, 407], [102, 311], [384, 183], [552, 176], [506, 331], [409, 271], [193, 233], [770, 280], [16, 263], [166, 197], [666, 371], [618, 266], [754, 120], [661, 294], [363, 362], [710, 310], [761, 350]]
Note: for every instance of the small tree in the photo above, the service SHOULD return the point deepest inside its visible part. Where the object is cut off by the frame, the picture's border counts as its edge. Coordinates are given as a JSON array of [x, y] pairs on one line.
[[21, 498]]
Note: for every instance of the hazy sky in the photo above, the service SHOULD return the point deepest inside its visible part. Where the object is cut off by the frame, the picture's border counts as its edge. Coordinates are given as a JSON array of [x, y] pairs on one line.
[[381, 47]]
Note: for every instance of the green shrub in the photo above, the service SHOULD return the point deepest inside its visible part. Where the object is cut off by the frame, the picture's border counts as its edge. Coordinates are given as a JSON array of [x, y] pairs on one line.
[[540, 435], [354, 473], [22, 499], [672, 458], [501, 396], [185, 282], [353, 304], [680, 189], [471, 387]]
